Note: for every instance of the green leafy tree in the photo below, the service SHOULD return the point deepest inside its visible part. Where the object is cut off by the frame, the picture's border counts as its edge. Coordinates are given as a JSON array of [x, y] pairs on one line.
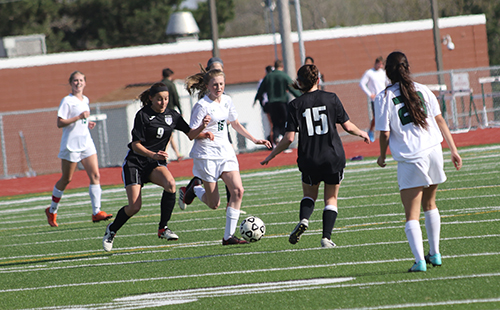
[[34, 17], [225, 13], [112, 23]]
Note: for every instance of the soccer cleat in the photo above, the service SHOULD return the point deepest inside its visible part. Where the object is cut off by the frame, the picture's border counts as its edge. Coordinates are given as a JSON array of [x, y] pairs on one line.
[[101, 216], [51, 218], [299, 230], [327, 243], [371, 134], [418, 266], [166, 233], [233, 240], [435, 259], [107, 240], [186, 194]]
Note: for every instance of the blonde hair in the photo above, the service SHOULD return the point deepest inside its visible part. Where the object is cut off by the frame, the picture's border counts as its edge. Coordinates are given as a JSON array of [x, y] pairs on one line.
[[199, 82]]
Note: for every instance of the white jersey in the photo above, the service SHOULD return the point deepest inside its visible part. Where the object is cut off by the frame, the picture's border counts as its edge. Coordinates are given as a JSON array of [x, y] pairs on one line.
[[76, 136], [220, 113], [407, 141], [373, 81]]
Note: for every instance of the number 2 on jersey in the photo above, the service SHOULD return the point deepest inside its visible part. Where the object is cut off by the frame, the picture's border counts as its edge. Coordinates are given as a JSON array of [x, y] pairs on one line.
[[316, 116]]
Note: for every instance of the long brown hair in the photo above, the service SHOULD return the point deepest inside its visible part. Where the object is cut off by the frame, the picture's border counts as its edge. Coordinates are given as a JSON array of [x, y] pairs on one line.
[[307, 77], [398, 70], [198, 82]]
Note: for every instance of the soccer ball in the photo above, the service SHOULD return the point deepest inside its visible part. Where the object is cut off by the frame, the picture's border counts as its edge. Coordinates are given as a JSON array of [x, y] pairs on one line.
[[252, 229]]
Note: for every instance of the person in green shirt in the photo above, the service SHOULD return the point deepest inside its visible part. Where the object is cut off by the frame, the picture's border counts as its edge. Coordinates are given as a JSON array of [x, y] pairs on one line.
[[173, 102], [277, 84]]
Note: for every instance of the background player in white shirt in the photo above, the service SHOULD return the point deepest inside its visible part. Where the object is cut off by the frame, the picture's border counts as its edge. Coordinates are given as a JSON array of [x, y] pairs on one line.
[[215, 158], [409, 120], [372, 82], [321, 157], [76, 146]]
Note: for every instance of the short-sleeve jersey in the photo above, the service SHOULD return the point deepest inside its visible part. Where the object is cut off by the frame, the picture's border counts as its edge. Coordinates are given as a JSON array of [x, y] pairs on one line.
[[220, 113], [153, 129], [373, 81], [315, 116], [407, 141], [76, 136]]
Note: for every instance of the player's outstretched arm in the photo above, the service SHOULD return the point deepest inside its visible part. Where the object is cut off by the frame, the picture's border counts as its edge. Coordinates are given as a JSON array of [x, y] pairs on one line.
[[355, 131], [283, 145]]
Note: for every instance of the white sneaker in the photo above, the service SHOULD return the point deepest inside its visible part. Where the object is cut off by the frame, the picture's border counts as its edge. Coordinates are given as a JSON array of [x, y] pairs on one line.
[[166, 233], [107, 240], [327, 243]]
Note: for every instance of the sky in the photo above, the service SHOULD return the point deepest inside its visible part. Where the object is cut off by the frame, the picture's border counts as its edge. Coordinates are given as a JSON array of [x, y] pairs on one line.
[[190, 4]]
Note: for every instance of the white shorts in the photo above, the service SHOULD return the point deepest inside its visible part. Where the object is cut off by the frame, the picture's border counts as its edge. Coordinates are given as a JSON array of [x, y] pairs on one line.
[[423, 172], [76, 157], [210, 170]]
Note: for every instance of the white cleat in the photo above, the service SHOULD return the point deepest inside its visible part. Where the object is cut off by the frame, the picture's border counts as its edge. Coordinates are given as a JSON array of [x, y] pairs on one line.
[[327, 243]]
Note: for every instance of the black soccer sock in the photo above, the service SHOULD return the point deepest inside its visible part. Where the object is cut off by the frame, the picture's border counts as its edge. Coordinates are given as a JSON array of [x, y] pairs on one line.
[[329, 218], [166, 207], [228, 194], [306, 208], [120, 219]]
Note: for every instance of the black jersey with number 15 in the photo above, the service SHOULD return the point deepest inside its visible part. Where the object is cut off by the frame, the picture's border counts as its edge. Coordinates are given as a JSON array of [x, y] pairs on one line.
[[314, 116]]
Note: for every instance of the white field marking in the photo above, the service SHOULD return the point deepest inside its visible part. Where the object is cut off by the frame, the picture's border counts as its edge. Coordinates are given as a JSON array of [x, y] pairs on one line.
[[429, 304], [39, 267], [225, 273], [121, 190], [269, 224], [192, 295]]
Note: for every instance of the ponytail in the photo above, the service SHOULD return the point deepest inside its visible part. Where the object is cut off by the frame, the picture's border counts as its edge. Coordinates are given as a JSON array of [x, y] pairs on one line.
[[398, 71]]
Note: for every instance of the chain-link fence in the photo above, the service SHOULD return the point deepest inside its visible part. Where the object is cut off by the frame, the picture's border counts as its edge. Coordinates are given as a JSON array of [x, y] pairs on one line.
[[469, 99]]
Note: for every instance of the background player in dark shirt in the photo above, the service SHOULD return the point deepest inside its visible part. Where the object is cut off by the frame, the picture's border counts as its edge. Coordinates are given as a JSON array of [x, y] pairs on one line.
[[146, 161], [321, 156]]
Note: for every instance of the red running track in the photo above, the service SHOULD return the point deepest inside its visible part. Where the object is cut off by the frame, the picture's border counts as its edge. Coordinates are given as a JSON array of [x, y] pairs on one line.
[[248, 161]]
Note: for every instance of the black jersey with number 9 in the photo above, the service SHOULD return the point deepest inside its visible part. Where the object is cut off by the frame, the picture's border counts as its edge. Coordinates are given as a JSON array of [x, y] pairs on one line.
[[314, 116]]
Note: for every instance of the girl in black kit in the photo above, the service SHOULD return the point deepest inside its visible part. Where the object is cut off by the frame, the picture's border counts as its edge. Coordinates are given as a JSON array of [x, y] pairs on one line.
[[321, 156], [146, 161]]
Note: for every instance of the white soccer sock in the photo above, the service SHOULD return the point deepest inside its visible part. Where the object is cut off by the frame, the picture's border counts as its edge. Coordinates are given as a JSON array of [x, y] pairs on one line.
[[95, 197], [199, 191], [433, 228], [56, 197], [414, 236], [232, 217]]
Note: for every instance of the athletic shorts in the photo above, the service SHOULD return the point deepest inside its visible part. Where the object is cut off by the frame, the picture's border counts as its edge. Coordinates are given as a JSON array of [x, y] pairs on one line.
[[137, 172], [210, 170], [423, 172], [328, 178], [76, 157]]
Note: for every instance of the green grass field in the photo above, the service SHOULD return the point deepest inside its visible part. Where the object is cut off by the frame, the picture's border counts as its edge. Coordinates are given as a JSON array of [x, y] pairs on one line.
[[65, 268]]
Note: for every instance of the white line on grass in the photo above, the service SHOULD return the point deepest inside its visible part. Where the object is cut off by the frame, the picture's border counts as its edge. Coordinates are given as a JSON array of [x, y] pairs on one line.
[[226, 273]]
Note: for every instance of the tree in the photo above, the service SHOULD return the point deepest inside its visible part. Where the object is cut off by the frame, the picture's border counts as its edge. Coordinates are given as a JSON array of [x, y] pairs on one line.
[[225, 13], [112, 23]]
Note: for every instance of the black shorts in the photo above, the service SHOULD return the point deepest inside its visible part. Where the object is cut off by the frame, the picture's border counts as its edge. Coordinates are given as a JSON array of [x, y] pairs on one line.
[[266, 108], [138, 171], [328, 178]]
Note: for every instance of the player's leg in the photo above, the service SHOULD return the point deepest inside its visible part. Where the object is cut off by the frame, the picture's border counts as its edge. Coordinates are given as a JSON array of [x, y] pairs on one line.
[[411, 199], [232, 179], [91, 166], [68, 169], [310, 194], [161, 176], [124, 214], [330, 212], [432, 224]]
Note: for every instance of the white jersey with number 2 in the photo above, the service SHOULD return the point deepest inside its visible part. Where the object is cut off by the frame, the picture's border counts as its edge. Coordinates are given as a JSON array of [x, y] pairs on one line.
[[407, 141]]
